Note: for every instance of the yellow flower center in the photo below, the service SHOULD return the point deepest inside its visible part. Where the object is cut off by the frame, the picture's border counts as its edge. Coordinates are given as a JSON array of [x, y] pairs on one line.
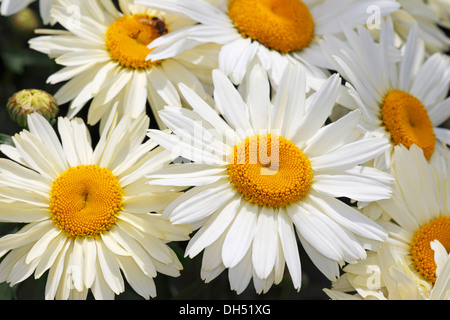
[[270, 171], [407, 120], [283, 25], [128, 37], [84, 200], [421, 251]]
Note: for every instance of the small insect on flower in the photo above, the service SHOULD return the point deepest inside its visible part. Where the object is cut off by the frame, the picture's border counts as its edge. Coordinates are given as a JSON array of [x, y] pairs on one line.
[[156, 23]]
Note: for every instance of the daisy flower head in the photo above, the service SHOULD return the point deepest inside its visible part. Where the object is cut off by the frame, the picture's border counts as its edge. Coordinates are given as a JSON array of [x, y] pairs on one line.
[[103, 55], [402, 95], [429, 16], [10, 7], [267, 173], [90, 217], [414, 262], [274, 31]]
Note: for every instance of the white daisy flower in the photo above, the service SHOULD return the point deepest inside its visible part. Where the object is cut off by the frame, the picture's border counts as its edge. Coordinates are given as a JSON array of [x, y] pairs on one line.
[[103, 53], [402, 96], [428, 18], [10, 7], [414, 263], [90, 217], [275, 31], [251, 201]]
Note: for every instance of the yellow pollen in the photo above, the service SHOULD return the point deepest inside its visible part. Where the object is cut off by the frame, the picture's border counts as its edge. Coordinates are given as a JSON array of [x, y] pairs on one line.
[[421, 251], [84, 200], [407, 121], [128, 37], [270, 171], [283, 25]]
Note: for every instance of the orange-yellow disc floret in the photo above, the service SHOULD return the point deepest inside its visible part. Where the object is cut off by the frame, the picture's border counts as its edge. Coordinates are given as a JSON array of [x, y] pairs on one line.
[[407, 121], [270, 171], [128, 37], [421, 251], [84, 200], [283, 25]]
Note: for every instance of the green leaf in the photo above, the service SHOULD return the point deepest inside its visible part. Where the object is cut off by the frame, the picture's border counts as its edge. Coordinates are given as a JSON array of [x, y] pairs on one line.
[[6, 139], [7, 292]]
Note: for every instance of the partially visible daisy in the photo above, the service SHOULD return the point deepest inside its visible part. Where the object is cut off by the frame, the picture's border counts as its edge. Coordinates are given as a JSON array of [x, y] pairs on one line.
[[275, 31], [103, 53], [90, 217], [10, 7], [428, 17], [414, 263], [442, 10], [402, 95], [269, 171]]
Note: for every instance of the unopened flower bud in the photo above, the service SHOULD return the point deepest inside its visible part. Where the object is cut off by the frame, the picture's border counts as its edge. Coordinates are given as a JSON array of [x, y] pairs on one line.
[[25, 21], [28, 101]]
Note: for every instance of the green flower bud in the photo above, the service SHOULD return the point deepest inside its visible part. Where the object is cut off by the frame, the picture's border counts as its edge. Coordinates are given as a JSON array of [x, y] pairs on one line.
[[28, 101], [25, 21]]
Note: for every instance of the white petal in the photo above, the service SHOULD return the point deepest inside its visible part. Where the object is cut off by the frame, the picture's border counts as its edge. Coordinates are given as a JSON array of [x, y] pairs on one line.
[[440, 113], [175, 145], [443, 134], [241, 274], [28, 234], [333, 135], [42, 244], [76, 141], [111, 243], [50, 255], [193, 132], [315, 232], [206, 112], [290, 247], [412, 59], [200, 11], [83, 26], [135, 97], [257, 100], [235, 58], [139, 255], [265, 243], [213, 228], [110, 268], [231, 104], [90, 258], [329, 267], [328, 15], [350, 218], [142, 284], [164, 87], [240, 235], [83, 57], [199, 202], [351, 154], [319, 106], [40, 127], [10, 7], [294, 88], [55, 273], [358, 188], [114, 85]]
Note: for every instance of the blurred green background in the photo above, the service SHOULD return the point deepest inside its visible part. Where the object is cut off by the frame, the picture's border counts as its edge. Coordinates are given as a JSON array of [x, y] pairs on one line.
[[23, 68]]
